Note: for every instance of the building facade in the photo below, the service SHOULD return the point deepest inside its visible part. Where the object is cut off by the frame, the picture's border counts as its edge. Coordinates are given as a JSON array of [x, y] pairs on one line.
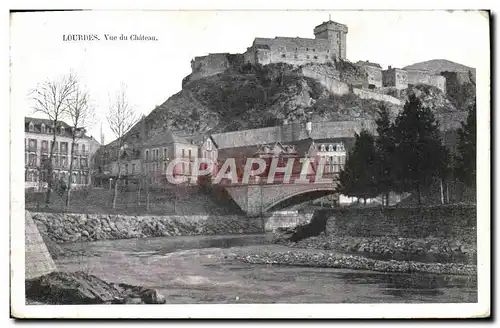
[[150, 159], [395, 77], [38, 142]]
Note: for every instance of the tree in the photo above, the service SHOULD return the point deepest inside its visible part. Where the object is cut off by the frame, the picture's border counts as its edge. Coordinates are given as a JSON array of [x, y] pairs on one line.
[[50, 98], [466, 157], [358, 177], [385, 151], [121, 118], [81, 115], [419, 154]]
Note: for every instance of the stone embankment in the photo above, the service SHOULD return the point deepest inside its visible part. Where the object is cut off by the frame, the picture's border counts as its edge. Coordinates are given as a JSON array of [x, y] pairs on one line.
[[318, 259], [433, 240], [65, 228], [432, 249]]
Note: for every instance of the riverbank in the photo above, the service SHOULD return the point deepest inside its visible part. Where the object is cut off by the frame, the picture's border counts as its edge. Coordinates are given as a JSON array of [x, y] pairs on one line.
[[421, 249]]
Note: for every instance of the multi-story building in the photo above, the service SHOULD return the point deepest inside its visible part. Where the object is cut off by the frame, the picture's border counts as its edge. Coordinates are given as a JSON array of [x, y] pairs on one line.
[[374, 74], [38, 143], [150, 157]]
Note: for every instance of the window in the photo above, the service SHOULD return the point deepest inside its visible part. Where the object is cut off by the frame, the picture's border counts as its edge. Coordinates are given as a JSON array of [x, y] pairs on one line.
[[164, 167], [31, 127], [209, 144], [44, 146], [330, 148], [314, 50], [64, 147], [164, 153], [75, 148], [307, 49], [133, 167], [183, 153], [83, 148], [323, 148], [146, 157], [32, 144], [62, 130], [189, 154], [315, 57], [307, 56], [283, 56], [74, 178], [42, 128]]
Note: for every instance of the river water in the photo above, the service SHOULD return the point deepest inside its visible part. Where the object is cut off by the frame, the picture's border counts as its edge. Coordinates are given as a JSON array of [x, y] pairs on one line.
[[194, 270]]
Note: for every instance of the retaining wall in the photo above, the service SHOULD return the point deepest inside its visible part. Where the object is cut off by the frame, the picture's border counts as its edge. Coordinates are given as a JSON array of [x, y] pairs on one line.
[[66, 227], [434, 221]]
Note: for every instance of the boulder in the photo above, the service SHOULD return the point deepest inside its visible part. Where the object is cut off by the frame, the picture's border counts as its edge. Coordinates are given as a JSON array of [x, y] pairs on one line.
[[81, 288]]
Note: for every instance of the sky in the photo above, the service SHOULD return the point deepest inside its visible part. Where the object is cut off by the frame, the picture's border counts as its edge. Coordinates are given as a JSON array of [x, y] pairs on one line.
[[153, 70]]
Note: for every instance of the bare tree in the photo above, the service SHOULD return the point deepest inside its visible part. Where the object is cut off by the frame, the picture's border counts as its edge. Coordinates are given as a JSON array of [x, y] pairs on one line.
[[81, 114], [50, 98], [121, 118]]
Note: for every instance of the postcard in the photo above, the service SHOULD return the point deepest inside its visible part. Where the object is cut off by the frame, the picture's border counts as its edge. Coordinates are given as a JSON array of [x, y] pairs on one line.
[[250, 164]]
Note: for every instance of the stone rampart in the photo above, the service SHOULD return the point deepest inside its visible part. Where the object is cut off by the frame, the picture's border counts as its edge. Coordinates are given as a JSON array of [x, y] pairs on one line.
[[364, 94], [326, 78]]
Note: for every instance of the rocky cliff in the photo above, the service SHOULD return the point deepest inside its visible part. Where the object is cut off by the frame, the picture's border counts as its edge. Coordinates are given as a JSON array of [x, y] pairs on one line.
[[247, 97]]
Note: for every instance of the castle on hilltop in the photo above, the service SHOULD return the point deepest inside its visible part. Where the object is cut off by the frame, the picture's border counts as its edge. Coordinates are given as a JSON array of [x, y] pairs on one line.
[[328, 46]]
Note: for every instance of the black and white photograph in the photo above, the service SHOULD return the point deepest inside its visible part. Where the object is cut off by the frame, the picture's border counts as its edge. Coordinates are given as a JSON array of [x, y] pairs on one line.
[[250, 163]]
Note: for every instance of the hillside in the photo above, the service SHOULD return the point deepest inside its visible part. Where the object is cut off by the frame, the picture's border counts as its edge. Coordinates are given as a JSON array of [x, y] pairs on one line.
[[253, 97], [437, 66]]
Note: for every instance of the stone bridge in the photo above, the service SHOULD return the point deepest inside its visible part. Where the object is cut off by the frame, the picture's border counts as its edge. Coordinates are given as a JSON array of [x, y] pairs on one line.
[[257, 199]]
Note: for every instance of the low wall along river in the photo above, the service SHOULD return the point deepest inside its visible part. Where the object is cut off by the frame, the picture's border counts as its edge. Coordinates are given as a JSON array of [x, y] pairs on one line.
[[433, 221]]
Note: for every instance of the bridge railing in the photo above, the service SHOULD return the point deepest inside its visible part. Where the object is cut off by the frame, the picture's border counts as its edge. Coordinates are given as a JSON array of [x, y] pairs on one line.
[[263, 180]]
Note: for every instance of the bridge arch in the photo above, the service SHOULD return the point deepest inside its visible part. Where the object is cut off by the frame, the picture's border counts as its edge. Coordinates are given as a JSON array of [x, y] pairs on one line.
[[319, 191]]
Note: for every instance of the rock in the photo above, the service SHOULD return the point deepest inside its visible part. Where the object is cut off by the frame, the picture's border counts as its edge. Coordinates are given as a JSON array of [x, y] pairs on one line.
[[71, 288], [81, 288]]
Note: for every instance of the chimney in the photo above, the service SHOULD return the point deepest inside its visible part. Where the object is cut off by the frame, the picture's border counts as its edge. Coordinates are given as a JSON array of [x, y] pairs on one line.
[[102, 137], [390, 67]]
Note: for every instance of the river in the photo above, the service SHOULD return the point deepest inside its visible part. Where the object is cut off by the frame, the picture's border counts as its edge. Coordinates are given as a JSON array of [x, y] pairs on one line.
[[194, 270]]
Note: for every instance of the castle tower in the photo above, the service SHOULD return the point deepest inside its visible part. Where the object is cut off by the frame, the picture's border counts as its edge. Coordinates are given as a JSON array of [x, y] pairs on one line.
[[336, 34]]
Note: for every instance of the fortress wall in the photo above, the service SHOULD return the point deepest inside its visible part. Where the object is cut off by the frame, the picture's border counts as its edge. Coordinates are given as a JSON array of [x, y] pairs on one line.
[[364, 94], [327, 80], [418, 77]]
